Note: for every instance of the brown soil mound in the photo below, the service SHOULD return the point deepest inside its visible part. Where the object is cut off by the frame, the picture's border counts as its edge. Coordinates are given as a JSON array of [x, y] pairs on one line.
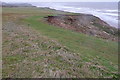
[[84, 23]]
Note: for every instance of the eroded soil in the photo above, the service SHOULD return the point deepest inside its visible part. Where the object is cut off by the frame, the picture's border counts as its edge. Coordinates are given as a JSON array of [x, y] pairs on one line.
[[87, 24]]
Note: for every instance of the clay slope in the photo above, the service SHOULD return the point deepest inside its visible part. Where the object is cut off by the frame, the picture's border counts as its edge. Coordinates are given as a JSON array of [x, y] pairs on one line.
[[85, 23]]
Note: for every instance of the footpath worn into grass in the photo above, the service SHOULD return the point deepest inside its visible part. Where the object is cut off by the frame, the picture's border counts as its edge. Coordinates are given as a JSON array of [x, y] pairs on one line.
[[48, 51]]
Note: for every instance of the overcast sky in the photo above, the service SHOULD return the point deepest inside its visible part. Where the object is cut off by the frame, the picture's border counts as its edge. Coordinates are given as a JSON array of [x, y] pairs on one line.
[[59, 0]]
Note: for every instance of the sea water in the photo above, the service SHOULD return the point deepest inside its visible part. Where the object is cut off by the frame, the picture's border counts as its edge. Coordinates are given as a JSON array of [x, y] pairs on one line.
[[107, 11]]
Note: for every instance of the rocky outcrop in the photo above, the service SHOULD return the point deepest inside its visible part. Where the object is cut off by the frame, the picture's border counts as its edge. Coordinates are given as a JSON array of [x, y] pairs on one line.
[[85, 23]]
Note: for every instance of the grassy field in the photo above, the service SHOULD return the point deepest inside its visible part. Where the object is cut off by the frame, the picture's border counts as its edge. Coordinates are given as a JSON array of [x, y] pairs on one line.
[[81, 55]]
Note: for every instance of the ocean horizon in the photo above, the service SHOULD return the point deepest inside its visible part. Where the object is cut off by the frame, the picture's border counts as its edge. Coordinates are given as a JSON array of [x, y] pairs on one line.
[[106, 11]]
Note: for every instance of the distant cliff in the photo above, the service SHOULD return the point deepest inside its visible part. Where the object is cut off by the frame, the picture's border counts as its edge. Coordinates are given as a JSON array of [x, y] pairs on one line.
[[85, 23], [3, 4]]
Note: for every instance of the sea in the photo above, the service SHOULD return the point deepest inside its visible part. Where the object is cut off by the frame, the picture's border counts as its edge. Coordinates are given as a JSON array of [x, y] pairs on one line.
[[107, 11]]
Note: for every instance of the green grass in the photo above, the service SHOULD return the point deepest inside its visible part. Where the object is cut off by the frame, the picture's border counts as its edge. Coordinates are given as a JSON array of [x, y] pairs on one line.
[[13, 59], [90, 49], [75, 41], [87, 46]]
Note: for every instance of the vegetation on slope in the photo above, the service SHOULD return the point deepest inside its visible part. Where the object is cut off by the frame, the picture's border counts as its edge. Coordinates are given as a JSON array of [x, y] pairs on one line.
[[48, 51]]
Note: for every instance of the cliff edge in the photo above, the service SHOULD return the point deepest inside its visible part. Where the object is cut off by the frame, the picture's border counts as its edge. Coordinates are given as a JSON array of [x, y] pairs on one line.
[[85, 23]]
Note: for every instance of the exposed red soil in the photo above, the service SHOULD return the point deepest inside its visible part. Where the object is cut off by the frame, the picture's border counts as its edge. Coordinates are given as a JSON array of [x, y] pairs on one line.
[[84, 23]]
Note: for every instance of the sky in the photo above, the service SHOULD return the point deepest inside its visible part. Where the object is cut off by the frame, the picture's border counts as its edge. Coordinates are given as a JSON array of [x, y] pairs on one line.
[[59, 0]]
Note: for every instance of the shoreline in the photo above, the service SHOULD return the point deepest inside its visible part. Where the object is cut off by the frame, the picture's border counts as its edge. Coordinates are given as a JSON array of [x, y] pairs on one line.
[[101, 16]]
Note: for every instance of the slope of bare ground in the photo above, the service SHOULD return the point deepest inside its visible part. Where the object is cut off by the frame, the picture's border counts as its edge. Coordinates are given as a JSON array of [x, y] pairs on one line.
[[85, 23]]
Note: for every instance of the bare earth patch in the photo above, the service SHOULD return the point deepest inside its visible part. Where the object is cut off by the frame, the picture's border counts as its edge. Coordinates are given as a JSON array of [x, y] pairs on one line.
[[85, 23]]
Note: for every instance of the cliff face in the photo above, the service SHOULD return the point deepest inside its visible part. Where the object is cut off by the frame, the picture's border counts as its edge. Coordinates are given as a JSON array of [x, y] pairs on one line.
[[84, 23]]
